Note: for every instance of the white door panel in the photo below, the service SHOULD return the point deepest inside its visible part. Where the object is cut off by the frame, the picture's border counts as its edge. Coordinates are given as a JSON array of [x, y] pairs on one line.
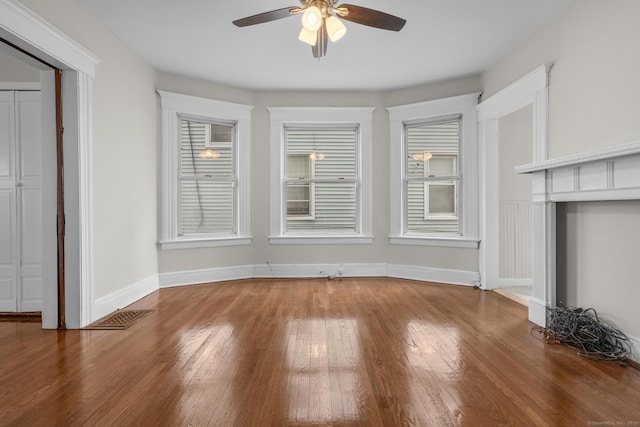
[[28, 120], [20, 202], [6, 135]]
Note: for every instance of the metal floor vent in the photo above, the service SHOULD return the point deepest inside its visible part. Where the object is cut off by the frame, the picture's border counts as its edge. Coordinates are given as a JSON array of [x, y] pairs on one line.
[[120, 319]]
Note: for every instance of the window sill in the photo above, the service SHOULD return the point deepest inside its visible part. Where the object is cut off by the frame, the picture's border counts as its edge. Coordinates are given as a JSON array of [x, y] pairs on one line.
[[204, 242], [450, 242], [321, 240]]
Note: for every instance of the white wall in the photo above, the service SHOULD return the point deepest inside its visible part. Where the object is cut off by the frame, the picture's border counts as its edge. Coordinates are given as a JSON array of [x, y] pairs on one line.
[[124, 152], [261, 251], [593, 100], [15, 70], [599, 260]]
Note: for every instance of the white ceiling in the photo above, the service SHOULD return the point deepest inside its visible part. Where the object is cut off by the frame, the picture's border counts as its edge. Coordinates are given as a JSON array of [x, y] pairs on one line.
[[442, 39]]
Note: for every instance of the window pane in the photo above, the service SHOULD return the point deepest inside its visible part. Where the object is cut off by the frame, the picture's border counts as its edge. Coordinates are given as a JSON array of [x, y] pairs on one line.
[[441, 165], [298, 166], [201, 157], [431, 208], [220, 134], [298, 200], [442, 199], [335, 210], [206, 207], [429, 145]]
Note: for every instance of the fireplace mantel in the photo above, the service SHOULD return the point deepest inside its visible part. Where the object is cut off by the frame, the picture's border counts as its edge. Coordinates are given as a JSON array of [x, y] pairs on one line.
[[606, 174]]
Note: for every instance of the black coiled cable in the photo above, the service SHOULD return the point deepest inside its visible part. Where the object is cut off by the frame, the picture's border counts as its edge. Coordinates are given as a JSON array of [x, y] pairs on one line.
[[581, 328]]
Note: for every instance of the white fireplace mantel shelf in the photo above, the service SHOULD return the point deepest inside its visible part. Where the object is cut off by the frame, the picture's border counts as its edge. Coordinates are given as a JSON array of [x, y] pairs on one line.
[[607, 174]]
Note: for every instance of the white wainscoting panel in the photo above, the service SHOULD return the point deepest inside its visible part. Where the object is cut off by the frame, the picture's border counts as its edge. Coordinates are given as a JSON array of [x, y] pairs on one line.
[[516, 244]]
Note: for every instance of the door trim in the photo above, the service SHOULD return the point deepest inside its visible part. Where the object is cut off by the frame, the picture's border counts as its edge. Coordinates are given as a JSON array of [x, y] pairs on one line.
[[28, 31], [532, 89]]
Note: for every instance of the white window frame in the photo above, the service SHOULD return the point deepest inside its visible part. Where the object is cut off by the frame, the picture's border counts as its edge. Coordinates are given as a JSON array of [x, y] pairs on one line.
[[311, 185], [280, 117], [174, 107], [468, 200], [429, 184]]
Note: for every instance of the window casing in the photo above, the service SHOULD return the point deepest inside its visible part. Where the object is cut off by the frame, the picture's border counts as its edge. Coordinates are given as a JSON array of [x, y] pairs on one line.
[[434, 173], [321, 175], [205, 174]]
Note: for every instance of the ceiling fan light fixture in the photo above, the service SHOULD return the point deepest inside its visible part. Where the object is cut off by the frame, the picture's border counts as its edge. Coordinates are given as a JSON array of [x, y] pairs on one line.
[[308, 36], [312, 18], [335, 28]]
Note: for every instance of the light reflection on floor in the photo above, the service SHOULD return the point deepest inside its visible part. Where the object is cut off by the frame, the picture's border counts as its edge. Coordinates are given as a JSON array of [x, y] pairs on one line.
[[433, 354], [325, 362], [214, 365]]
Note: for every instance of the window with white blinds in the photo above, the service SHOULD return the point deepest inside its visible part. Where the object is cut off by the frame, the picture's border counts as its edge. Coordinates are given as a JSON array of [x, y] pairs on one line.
[[434, 172], [205, 175], [322, 180], [331, 155], [207, 178], [432, 176]]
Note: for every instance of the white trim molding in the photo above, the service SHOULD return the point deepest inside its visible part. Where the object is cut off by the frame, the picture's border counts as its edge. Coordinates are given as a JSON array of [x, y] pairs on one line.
[[30, 32], [208, 275], [635, 348], [605, 174], [464, 106], [531, 89], [282, 116], [429, 274], [174, 104], [331, 271], [124, 297]]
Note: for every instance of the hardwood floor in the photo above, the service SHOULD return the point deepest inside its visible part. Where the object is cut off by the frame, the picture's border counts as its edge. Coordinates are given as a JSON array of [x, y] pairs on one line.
[[350, 352]]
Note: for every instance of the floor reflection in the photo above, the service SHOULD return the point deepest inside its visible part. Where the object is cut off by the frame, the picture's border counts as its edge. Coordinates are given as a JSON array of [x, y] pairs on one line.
[[433, 355], [322, 360], [207, 363]]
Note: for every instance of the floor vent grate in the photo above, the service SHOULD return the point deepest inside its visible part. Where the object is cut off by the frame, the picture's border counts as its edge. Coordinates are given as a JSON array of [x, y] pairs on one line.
[[120, 319]]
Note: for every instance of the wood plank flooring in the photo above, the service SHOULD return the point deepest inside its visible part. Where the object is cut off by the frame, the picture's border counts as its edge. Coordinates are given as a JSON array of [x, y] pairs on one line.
[[349, 352]]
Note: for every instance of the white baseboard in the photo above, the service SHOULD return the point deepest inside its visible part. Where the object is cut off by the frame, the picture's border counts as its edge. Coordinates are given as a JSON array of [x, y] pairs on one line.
[[319, 270], [635, 348], [429, 274], [194, 277], [123, 297], [538, 312]]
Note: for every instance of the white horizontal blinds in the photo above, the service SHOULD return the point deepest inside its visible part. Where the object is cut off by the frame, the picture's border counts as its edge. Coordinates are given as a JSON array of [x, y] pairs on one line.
[[207, 178], [332, 180], [432, 177]]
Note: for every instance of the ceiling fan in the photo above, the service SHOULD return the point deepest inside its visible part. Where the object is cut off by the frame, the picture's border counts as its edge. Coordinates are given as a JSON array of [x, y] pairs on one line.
[[320, 21]]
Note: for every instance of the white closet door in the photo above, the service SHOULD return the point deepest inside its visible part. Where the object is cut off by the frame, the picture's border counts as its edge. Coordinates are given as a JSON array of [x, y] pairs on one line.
[[29, 197], [20, 202], [8, 226]]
